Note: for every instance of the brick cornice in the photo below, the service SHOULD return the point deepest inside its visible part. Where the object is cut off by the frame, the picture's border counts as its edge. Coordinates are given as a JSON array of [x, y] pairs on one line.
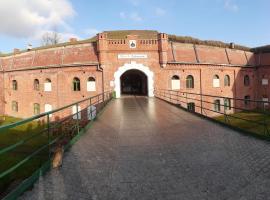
[[54, 66]]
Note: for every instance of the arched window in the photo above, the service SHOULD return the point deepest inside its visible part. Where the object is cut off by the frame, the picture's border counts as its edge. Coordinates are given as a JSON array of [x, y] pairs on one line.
[[227, 80], [217, 105], [36, 109], [190, 81], [36, 84], [216, 81], [76, 84], [247, 100], [14, 106], [48, 85], [91, 84], [246, 80], [227, 104], [14, 85], [175, 82]]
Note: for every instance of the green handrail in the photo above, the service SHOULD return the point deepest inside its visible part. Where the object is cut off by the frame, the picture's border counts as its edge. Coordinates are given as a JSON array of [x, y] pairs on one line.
[[50, 127]]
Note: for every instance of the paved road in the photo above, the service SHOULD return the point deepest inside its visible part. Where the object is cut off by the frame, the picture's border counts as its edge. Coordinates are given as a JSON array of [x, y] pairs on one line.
[[142, 148]]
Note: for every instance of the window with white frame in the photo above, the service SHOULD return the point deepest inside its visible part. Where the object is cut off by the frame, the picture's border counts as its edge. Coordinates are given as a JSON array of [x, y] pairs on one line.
[[48, 108], [175, 82], [216, 81], [264, 81], [76, 112], [266, 104], [91, 84], [48, 85], [91, 112]]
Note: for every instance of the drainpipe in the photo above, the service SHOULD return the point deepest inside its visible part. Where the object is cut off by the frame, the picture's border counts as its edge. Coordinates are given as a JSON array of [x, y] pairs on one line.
[[99, 68], [201, 90]]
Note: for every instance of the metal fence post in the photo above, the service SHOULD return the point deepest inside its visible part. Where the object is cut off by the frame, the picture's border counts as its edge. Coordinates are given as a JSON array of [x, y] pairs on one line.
[[224, 112], [186, 101], [201, 103], [90, 108], [48, 135], [77, 118]]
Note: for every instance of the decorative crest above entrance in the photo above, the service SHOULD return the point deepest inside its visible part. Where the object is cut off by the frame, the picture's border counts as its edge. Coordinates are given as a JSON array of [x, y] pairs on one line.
[[132, 44]]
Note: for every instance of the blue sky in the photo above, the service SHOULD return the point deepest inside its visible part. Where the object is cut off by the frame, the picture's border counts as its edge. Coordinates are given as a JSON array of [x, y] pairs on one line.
[[241, 21]]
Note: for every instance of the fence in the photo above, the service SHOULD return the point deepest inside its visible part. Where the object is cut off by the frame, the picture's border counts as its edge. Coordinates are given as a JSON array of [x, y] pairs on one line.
[[26, 146], [248, 115]]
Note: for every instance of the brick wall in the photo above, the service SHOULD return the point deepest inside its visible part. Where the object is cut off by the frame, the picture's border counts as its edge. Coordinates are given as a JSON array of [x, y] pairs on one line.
[[2, 99], [62, 92], [164, 58]]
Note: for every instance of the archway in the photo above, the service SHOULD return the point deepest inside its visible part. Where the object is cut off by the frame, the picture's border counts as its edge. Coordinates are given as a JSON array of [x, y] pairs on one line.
[[134, 66], [134, 82]]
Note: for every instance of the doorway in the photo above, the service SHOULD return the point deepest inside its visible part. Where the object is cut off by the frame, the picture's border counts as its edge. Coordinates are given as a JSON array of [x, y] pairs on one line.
[[134, 82]]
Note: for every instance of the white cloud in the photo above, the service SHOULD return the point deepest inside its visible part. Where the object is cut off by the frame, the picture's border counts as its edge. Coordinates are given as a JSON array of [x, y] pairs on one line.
[[160, 11], [134, 16], [230, 5], [31, 18]]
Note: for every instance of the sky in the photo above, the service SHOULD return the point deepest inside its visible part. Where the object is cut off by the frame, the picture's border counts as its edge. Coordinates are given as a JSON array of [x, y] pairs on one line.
[[245, 22]]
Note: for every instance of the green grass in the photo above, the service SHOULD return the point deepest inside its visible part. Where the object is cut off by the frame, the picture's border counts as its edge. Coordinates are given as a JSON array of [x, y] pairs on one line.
[[9, 159], [252, 125]]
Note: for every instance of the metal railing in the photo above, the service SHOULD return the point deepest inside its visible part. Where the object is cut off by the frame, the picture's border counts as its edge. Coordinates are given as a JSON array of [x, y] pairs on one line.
[[20, 158], [251, 116]]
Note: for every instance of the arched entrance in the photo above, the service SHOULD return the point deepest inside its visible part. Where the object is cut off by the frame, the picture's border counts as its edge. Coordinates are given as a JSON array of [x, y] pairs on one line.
[[134, 82], [137, 67]]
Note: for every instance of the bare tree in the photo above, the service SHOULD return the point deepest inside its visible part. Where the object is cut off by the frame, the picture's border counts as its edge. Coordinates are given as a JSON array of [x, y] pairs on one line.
[[50, 38]]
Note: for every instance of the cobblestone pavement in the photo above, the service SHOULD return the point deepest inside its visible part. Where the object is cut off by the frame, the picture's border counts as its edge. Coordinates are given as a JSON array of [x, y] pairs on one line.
[[143, 148]]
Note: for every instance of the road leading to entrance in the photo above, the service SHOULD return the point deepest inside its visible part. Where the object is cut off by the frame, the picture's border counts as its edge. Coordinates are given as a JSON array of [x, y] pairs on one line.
[[144, 148]]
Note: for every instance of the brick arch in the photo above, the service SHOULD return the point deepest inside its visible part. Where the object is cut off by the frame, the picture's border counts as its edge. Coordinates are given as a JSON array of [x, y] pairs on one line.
[[130, 66]]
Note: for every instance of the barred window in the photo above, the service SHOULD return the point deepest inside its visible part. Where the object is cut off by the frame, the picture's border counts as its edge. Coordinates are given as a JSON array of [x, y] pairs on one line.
[[76, 84], [190, 81], [191, 106], [247, 100], [217, 105], [227, 104], [227, 80], [14, 85], [246, 80], [36, 109], [14, 106], [36, 84]]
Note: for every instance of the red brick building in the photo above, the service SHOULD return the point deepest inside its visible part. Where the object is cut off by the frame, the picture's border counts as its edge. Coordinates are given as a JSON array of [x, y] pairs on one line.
[[37, 80]]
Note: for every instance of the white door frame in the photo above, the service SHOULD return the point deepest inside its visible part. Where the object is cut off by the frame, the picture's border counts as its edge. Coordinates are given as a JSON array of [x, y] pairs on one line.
[[130, 66]]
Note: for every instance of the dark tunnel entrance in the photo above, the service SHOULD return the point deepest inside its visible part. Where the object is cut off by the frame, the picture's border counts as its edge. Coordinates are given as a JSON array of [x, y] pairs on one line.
[[134, 82]]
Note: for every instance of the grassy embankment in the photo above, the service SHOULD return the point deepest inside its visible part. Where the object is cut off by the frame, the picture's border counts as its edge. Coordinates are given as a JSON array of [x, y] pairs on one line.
[[12, 136], [251, 125]]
